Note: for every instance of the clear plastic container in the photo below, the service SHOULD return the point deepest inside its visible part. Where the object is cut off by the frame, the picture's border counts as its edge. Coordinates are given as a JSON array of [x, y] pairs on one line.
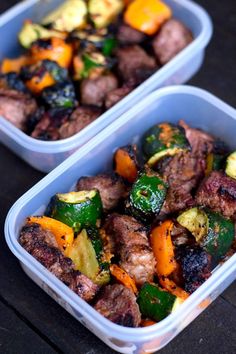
[[46, 155], [199, 109]]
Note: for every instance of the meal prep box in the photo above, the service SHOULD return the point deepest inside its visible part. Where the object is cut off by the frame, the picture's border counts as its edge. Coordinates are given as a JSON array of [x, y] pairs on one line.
[[198, 109], [46, 155]]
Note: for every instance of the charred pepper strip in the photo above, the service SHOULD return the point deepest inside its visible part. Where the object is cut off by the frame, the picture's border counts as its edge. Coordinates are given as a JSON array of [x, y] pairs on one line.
[[164, 139], [64, 234], [76, 209], [125, 162]]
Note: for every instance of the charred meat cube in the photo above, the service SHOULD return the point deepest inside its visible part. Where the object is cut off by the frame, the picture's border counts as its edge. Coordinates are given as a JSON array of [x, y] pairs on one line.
[[118, 304], [48, 124], [116, 95], [12, 81], [129, 35], [94, 91], [41, 245], [16, 106], [62, 94], [170, 40], [79, 119], [134, 63], [218, 192], [111, 189], [195, 264], [132, 246]]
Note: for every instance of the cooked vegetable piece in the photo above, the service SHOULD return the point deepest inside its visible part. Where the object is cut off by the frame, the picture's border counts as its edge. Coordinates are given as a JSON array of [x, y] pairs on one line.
[[62, 94], [214, 162], [156, 303], [70, 15], [122, 277], [162, 140], [55, 49], [172, 288], [147, 15], [196, 221], [231, 165], [211, 230], [147, 322], [147, 196], [103, 12], [88, 63], [125, 161], [31, 32], [87, 255], [64, 234], [163, 248], [14, 65], [76, 209]]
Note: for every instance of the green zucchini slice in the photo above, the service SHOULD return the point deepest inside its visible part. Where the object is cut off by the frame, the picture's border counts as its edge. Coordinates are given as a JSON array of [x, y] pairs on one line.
[[231, 165], [88, 257], [162, 140], [211, 230], [156, 303], [147, 196], [76, 209]]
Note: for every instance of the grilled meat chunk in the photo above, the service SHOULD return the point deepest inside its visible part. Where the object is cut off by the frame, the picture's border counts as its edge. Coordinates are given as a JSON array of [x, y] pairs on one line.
[[135, 64], [116, 95], [118, 304], [16, 106], [170, 40], [218, 192], [195, 264], [42, 246], [111, 189], [192, 165], [132, 246], [78, 120], [94, 91], [180, 235], [129, 35]]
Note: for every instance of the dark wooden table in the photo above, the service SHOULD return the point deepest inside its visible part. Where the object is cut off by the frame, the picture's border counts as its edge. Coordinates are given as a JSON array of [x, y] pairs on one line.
[[30, 321]]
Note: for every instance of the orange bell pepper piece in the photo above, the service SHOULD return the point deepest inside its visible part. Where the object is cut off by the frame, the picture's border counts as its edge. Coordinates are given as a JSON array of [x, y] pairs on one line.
[[64, 234], [125, 164], [59, 51], [147, 15], [163, 248], [14, 65], [172, 288], [147, 322], [123, 277], [37, 83]]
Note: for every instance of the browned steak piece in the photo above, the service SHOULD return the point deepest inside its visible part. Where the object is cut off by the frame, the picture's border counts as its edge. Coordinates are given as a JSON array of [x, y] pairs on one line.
[[132, 246], [218, 192], [111, 189], [78, 120], [135, 64], [118, 304], [170, 40], [180, 235], [16, 106], [41, 245], [129, 35], [185, 170], [196, 266], [94, 91], [116, 95]]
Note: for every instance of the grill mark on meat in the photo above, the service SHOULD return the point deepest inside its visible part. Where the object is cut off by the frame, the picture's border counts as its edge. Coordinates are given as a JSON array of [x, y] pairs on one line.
[[41, 245], [118, 304], [218, 192], [132, 246]]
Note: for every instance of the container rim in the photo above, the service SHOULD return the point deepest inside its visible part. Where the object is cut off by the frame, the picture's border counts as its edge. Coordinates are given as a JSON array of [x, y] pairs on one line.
[[129, 334], [101, 122]]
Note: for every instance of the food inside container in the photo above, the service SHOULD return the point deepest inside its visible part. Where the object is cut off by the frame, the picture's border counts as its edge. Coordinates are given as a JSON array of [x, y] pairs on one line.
[[81, 59], [135, 243]]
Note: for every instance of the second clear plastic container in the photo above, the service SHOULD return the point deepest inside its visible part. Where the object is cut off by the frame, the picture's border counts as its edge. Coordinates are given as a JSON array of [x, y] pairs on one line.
[[199, 109], [46, 155]]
